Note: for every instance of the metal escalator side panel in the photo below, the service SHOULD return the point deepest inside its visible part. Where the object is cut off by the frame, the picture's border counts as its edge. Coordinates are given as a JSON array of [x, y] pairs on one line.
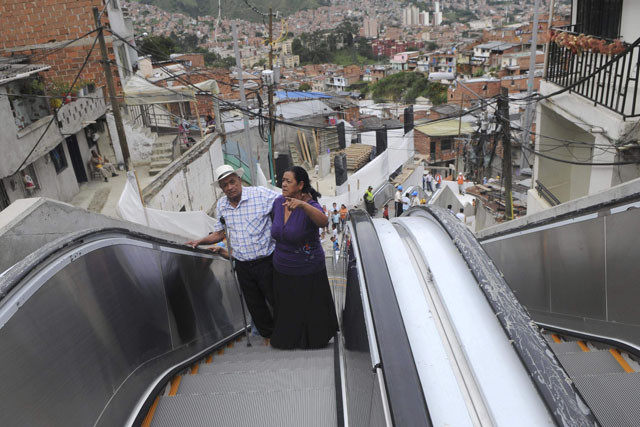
[[402, 383], [560, 395], [442, 382], [89, 326], [498, 383]]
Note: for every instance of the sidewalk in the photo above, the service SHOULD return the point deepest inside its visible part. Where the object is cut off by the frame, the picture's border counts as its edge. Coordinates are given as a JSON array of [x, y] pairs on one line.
[[102, 197]]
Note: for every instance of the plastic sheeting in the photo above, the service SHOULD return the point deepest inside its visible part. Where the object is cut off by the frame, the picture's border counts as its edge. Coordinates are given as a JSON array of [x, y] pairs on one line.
[[191, 225], [139, 91]]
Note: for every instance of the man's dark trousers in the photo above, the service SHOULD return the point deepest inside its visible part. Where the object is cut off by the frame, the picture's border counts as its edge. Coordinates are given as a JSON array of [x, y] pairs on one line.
[[256, 281]]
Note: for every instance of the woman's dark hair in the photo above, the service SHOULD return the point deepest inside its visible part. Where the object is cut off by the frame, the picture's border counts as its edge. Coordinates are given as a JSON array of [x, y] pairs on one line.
[[301, 175]]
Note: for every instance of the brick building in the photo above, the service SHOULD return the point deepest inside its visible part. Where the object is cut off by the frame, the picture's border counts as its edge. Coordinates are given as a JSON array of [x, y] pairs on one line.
[[469, 91], [47, 39], [46, 28]]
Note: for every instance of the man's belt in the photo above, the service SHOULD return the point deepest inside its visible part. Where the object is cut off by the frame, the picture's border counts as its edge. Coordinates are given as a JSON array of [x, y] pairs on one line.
[[253, 262]]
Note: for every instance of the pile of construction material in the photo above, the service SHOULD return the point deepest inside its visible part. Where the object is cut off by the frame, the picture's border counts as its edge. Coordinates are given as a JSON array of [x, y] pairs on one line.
[[358, 155]]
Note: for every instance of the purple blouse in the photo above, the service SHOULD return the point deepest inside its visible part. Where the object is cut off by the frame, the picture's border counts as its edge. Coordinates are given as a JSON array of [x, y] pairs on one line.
[[298, 250]]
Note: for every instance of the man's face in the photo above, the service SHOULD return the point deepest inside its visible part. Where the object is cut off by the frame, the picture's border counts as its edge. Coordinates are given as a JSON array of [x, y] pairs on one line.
[[231, 186]]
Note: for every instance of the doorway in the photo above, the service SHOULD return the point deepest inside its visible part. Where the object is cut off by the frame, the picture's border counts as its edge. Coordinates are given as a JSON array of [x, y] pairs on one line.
[[4, 197], [76, 159]]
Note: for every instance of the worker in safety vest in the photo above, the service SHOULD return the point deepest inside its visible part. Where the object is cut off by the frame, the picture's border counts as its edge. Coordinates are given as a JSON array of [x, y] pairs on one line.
[[368, 201], [460, 183]]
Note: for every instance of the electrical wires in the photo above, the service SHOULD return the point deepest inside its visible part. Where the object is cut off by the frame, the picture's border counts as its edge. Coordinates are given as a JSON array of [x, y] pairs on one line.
[[55, 112]]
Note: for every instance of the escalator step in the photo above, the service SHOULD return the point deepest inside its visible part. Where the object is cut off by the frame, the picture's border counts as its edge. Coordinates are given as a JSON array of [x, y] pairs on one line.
[[219, 366], [613, 397], [257, 381], [565, 347], [589, 363], [273, 354], [301, 407]]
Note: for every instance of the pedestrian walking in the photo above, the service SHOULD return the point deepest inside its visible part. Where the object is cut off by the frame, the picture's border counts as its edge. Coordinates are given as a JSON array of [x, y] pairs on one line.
[[398, 200]]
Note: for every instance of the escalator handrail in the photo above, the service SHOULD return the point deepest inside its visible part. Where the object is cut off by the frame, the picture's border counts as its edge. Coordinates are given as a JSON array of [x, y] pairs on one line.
[[15, 274], [402, 383], [575, 214], [552, 382]]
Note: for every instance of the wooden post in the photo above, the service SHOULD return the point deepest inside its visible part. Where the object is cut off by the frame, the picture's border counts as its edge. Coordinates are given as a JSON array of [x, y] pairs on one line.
[[115, 105], [195, 104]]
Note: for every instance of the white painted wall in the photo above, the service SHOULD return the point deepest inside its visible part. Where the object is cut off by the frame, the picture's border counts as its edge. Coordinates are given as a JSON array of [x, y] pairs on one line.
[[629, 28], [192, 187]]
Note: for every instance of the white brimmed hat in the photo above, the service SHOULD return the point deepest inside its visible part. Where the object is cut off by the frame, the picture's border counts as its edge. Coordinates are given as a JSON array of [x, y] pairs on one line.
[[226, 170]]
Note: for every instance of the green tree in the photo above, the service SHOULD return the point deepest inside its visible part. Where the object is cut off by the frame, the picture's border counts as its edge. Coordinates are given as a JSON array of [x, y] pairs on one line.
[[159, 47], [305, 87]]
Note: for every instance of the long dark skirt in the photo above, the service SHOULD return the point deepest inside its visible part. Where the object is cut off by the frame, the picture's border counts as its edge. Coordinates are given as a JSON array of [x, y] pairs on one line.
[[305, 312]]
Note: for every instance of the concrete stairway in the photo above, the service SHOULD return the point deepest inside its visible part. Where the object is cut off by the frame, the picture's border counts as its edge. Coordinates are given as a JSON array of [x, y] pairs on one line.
[[607, 378], [255, 385], [161, 153]]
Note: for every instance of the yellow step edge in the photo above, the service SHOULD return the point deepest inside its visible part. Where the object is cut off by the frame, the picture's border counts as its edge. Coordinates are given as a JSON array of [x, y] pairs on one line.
[[583, 346], [209, 358], [147, 420], [175, 383], [195, 368], [221, 351], [616, 354], [556, 338]]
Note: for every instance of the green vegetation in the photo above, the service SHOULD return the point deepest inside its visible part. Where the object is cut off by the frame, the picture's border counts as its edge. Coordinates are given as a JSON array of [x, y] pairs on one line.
[[160, 48], [304, 87], [458, 15], [322, 46], [235, 8], [406, 87]]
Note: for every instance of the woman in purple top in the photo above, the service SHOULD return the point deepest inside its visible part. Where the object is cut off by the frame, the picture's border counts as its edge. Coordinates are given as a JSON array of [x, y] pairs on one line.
[[305, 314]]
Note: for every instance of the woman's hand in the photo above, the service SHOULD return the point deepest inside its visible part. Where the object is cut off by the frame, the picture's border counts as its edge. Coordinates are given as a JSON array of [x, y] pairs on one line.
[[292, 204]]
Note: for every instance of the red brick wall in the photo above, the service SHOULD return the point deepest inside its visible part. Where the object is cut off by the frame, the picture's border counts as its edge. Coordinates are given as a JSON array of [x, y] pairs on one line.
[[40, 22], [485, 89]]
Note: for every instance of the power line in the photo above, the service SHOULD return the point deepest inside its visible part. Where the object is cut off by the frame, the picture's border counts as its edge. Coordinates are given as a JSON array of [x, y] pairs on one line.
[[48, 51], [578, 163], [55, 111]]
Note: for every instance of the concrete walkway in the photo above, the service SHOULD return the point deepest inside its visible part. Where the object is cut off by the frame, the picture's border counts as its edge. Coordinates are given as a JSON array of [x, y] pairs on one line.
[[102, 197]]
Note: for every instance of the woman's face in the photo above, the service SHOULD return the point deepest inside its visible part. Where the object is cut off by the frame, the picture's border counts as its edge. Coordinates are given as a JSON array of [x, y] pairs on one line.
[[291, 187]]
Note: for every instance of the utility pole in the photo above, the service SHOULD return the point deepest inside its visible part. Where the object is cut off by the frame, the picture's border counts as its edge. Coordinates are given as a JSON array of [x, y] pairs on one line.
[[526, 138], [503, 110], [272, 124], [122, 137], [459, 133], [243, 100]]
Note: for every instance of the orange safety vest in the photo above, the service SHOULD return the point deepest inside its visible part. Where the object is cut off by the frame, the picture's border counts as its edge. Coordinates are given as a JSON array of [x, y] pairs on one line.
[[460, 180]]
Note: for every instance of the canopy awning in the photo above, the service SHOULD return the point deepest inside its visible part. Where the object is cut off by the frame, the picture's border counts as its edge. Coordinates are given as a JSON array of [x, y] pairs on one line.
[[138, 91], [449, 127]]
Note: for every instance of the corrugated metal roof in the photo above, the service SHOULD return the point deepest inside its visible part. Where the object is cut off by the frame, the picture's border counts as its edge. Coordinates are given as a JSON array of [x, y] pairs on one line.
[[446, 128], [290, 94], [10, 72]]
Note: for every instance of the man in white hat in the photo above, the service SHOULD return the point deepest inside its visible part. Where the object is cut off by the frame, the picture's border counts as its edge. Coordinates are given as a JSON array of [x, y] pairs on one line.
[[247, 214]]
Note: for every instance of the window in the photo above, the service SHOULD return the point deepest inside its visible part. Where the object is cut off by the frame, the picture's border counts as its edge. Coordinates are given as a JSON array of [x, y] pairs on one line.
[[446, 144], [29, 180], [599, 18], [4, 197], [26, 102], [124, 62], [58, 158]]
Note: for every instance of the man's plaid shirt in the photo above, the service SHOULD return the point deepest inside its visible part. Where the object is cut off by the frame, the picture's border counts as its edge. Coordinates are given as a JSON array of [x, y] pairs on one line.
[[249, 223]]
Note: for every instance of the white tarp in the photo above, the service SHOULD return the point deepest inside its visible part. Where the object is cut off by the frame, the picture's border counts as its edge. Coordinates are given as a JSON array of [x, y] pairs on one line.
[[191, 225], [139, 91]]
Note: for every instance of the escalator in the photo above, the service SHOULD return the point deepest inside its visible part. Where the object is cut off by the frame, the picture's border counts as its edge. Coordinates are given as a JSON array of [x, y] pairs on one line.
[[110, 327]]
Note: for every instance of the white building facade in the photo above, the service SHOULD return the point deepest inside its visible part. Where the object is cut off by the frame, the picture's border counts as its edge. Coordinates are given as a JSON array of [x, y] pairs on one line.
[[586, 138]]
